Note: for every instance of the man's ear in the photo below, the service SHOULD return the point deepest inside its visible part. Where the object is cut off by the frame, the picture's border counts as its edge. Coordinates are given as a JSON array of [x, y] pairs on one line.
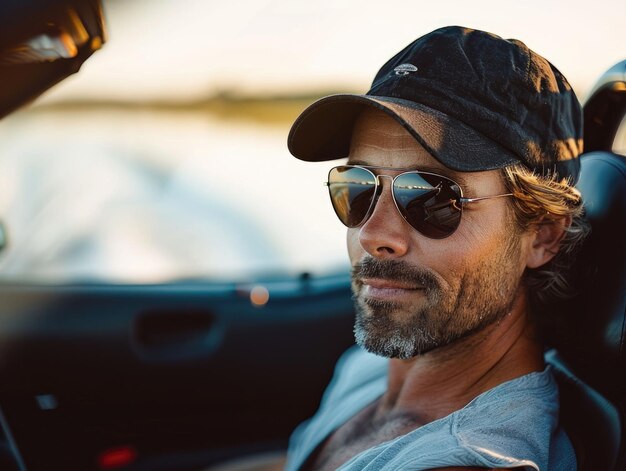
[[546, 240]]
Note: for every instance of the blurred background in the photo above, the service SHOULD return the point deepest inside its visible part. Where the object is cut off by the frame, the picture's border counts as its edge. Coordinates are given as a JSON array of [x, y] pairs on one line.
[[165, 157]]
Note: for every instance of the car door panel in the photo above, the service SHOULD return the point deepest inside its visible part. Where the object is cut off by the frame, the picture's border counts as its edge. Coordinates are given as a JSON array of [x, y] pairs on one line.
[[184, 374]]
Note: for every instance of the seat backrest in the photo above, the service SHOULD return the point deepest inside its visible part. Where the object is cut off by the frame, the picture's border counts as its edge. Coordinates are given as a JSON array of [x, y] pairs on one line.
[[592, 422], [590, 328]]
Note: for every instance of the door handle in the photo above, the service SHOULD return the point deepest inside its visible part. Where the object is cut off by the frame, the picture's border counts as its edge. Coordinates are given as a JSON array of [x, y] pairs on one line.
[[175, 334]]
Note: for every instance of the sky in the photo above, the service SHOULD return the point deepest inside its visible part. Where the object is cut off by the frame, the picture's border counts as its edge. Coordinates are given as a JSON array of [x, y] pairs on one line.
[[185, 49]]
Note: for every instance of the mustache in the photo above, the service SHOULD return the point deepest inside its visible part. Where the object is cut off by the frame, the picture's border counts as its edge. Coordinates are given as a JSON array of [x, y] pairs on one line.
[[395, 270]]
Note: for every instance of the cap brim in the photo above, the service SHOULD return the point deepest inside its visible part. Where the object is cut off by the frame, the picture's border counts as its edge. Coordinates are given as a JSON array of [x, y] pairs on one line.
[[323, 132]]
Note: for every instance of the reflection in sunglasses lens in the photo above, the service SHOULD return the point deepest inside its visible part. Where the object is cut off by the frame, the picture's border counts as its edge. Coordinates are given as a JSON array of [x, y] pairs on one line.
[[425, 201], [351, 192]]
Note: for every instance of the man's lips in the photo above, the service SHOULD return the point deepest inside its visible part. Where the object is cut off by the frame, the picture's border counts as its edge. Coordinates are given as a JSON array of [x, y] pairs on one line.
[[387, 289]]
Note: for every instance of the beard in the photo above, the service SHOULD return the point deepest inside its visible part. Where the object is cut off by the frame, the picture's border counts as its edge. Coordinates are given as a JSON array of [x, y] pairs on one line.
[[483, 294]]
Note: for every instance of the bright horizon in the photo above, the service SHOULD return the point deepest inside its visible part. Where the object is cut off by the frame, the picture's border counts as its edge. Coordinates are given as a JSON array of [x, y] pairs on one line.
[[184, 49]]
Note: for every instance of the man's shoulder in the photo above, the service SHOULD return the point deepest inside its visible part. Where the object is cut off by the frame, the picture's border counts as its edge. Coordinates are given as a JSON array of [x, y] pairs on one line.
[[531, 400], [513, 423]]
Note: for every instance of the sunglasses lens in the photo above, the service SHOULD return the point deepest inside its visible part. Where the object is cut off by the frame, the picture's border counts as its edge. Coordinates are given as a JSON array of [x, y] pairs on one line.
[[352, 190], [427, 203]]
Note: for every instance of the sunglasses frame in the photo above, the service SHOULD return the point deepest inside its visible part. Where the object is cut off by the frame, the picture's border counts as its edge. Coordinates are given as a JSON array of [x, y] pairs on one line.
[[458, 203]]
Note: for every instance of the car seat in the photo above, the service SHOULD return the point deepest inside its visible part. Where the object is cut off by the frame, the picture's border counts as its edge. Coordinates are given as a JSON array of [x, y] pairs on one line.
[[588, 334]]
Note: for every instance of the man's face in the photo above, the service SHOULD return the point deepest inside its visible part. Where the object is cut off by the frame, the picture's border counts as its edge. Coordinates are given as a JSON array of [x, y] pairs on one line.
[[414, 294]]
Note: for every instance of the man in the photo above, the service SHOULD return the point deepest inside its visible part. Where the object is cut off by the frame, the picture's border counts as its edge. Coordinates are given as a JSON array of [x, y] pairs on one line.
[[461, 213]]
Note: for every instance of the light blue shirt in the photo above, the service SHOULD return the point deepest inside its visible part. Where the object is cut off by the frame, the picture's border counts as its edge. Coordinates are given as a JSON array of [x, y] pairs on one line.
[[512, 425]]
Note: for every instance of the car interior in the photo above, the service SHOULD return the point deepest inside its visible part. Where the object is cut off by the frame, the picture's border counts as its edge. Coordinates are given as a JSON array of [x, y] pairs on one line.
[[589, 332], [181, 376]]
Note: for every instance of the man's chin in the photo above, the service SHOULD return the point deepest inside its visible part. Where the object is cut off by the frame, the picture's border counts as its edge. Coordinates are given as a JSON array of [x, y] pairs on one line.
[[394, 348], [390, 340]]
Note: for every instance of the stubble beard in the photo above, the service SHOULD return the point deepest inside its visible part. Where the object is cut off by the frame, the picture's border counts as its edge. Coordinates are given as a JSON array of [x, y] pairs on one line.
[[482, 297]]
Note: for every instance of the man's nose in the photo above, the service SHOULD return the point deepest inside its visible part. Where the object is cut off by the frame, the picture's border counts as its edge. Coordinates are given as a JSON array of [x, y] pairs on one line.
[[385, 234]]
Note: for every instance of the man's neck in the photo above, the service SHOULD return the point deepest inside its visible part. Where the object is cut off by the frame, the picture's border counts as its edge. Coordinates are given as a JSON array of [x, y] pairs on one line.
[[435, 384]]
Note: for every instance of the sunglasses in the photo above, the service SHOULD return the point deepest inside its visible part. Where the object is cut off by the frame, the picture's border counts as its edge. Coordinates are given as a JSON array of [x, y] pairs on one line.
[[432, 204]]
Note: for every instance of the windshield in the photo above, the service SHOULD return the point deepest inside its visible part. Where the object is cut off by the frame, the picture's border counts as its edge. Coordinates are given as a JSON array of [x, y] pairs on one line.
[[165, 157], [125, 194]]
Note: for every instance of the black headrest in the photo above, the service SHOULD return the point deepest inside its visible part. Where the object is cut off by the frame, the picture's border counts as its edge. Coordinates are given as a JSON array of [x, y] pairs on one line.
[[590, 328]]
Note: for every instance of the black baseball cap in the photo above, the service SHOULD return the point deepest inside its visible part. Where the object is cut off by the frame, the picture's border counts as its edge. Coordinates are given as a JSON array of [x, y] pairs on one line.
[[475, 101]]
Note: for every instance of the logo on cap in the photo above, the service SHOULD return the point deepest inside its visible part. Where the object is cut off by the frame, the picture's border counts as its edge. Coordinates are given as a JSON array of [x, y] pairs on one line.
[[405, 69]]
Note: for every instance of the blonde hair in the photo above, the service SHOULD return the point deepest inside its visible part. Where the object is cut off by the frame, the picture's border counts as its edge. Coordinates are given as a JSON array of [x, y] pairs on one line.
[[540, 200]]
